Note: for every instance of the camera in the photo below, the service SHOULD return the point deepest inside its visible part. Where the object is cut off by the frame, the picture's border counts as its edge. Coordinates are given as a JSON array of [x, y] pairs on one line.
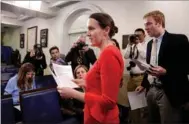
[[80, 45], [133, 38], [38, 51], [131, 64]]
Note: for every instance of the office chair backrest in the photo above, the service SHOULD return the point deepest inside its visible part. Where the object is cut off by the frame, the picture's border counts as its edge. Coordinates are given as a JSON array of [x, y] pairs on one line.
[[7, 110], [40, 106], [45, 81], [3, 85], [6, 76]]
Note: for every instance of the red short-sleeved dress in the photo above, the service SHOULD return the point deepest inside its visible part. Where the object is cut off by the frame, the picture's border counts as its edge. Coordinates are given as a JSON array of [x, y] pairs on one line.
[[102, 86]]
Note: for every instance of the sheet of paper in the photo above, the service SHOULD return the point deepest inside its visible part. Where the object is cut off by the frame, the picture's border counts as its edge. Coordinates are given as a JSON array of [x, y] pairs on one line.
[[141, 65], [137, 100], [17, 106], [63, 76], [54, 76]]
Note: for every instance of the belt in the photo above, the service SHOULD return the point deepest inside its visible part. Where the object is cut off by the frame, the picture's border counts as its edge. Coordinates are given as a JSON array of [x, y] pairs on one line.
[[134, 75]]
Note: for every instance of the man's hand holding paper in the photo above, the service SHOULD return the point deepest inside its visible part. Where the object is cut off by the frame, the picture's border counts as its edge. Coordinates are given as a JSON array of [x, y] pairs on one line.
[[150, 69], [156, 71], [142, 65]]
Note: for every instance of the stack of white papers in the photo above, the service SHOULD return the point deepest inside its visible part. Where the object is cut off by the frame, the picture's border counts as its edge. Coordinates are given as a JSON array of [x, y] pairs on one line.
[[137, 100], [63, 75]]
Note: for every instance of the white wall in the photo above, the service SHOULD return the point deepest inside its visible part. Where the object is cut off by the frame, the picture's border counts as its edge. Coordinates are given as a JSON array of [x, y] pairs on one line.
[[126, 14], [79, 25], [11, 38]]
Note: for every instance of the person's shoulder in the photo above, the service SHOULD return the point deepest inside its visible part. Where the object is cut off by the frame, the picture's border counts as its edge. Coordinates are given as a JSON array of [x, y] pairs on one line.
[[13, 79], [110, 51], [149, 42], [90, 50], [176, 35], [177, 40]]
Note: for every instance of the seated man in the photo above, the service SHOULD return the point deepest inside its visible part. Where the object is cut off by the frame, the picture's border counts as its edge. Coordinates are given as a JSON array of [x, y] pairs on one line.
[[56, 57]]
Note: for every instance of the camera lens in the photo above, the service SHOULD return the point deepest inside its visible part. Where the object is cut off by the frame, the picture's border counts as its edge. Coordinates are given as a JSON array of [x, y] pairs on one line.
[[129, 68], [132, 64]]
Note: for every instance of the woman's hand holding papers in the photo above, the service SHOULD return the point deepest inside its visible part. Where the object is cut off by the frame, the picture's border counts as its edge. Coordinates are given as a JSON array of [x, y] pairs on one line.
[[66, 92]]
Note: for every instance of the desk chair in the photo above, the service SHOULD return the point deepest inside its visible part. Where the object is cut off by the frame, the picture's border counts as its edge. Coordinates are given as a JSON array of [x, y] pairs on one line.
[[7, 110], [3, 85], [45, 81], [40, 106]]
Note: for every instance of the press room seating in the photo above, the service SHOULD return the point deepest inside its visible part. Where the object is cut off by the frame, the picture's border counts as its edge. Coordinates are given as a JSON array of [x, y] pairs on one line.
[[45, 81], [41, 106], [7, 110]]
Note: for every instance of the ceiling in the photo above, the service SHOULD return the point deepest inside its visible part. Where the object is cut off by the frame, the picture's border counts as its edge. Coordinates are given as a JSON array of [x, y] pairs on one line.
[[12, 15]]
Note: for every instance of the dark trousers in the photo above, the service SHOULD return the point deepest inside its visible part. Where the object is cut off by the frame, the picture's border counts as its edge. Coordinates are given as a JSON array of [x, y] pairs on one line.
[[123, 114], [185, 116], [18, 115], [160, 110]]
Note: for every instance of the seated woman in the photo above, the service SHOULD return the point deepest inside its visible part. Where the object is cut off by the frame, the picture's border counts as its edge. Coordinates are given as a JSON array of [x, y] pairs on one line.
[[73, 104], [80, 73], [78, 106], [22, 81]]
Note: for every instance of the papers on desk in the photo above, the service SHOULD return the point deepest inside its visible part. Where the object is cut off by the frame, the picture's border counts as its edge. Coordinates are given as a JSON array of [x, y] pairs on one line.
[[17, 107], [137, 100], [63, 75]]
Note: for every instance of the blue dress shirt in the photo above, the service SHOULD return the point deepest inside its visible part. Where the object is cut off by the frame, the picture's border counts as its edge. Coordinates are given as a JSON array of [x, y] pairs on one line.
[[13, 89]]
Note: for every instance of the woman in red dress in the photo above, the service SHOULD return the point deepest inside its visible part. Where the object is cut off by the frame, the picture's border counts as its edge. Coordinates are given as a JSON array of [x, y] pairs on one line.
[[103, 79]]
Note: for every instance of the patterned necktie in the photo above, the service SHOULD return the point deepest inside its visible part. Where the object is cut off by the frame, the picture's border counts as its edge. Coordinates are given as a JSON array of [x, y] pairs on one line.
[[153, 60]]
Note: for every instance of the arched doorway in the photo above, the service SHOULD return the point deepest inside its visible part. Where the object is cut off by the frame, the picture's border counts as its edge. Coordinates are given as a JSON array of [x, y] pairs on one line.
[[82, 8]]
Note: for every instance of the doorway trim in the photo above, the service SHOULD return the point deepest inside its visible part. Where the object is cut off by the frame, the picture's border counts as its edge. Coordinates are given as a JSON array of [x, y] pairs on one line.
[[80, 9]]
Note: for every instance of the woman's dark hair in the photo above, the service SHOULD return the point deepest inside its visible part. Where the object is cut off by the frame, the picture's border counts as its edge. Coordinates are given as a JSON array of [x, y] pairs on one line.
[[26, 67], [116, 43], [105, 20], [79, 66]]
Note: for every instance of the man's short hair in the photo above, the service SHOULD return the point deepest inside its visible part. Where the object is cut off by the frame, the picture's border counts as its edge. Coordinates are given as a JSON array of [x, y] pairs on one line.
[[53, 48], [158, 16], [140, 29]]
